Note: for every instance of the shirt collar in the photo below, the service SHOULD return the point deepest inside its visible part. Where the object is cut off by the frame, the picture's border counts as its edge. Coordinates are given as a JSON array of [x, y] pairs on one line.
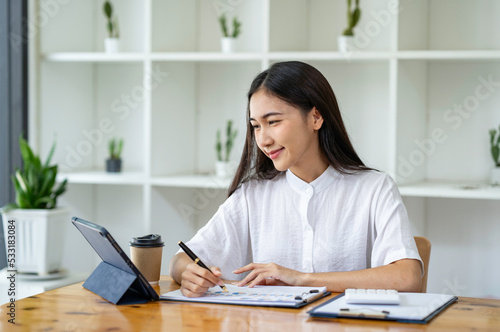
[[319, 184]]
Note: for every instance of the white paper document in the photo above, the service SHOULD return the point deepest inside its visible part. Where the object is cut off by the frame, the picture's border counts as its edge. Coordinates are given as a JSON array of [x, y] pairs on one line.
[[280, 296]]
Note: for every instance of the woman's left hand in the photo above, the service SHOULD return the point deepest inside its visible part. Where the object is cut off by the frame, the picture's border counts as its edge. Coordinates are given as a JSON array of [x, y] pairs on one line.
[[269, 274]]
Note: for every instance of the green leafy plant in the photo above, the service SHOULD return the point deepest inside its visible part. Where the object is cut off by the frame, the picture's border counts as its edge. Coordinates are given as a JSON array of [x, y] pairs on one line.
[[230, 136], [224, 27], [495, 146], [34, 183], [115, 147], [112, 24], [353, 16]]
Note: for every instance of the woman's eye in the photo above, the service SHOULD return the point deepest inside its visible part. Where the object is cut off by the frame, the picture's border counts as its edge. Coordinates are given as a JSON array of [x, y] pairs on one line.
[[255, 126], [273, 122]]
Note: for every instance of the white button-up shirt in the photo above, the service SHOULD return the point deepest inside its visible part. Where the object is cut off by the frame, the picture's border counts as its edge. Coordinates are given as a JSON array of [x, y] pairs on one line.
[[338, 222]]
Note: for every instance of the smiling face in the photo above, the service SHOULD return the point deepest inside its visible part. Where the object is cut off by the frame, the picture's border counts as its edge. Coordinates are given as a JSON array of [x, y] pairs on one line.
[[286, 136]]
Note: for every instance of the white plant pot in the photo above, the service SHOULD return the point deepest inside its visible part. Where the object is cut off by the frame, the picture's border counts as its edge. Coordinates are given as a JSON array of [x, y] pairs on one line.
[[345, 43], [227, 44], [223, 169], [39, 236], [495, 176], [112, 45]]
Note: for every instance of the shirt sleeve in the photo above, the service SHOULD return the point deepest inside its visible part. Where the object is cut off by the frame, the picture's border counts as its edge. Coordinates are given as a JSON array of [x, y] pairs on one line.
[[224, 240], [393, 237]]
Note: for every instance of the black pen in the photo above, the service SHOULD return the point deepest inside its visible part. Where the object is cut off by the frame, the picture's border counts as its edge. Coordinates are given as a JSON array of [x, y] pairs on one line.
[[197, 260]]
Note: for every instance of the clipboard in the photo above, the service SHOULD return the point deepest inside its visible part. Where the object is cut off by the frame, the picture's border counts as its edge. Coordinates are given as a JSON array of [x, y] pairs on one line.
[[417, 308], [262, 296]]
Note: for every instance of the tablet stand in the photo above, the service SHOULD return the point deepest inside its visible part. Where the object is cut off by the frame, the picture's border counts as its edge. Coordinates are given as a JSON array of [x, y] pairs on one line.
[[115, 285]]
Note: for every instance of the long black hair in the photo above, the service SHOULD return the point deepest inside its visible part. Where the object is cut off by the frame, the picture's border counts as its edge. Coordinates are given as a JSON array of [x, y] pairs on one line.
[[304, 87]]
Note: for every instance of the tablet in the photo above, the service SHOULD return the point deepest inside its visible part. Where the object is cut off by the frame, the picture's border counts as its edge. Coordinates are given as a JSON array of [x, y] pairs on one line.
[[111, 253]]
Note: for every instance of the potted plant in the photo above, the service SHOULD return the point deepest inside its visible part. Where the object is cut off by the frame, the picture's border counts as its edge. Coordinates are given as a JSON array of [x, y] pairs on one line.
[[111, 43], [345, 42], [39, 223], [495, 153], [227, 41], [114, 162], [222, 166]]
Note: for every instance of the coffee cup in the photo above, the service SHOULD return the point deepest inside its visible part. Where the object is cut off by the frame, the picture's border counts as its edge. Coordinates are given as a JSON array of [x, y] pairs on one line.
[[145, 252]]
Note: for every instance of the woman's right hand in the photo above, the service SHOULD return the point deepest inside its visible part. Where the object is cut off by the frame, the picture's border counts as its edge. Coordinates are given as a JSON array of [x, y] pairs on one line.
[[197, 280]]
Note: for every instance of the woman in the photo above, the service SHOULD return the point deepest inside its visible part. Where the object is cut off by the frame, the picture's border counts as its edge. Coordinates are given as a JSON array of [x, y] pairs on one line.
[[302, 209]]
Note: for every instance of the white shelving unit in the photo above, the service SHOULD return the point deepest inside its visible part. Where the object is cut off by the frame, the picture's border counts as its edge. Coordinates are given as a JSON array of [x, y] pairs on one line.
[[171, 88], [466, 190]]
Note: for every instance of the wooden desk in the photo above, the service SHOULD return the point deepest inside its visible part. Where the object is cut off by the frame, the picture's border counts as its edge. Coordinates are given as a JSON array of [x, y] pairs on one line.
[[73, 308]]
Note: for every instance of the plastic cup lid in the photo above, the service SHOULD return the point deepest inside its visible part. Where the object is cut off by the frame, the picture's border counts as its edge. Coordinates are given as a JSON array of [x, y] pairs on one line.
[[150, 240]]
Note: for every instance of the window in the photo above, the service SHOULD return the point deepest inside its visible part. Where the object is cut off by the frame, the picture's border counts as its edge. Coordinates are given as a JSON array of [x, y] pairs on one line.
[[13, 95]]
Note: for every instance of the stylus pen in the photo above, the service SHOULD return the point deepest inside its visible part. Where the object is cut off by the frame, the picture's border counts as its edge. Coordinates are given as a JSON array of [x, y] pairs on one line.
[[197, 260]]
